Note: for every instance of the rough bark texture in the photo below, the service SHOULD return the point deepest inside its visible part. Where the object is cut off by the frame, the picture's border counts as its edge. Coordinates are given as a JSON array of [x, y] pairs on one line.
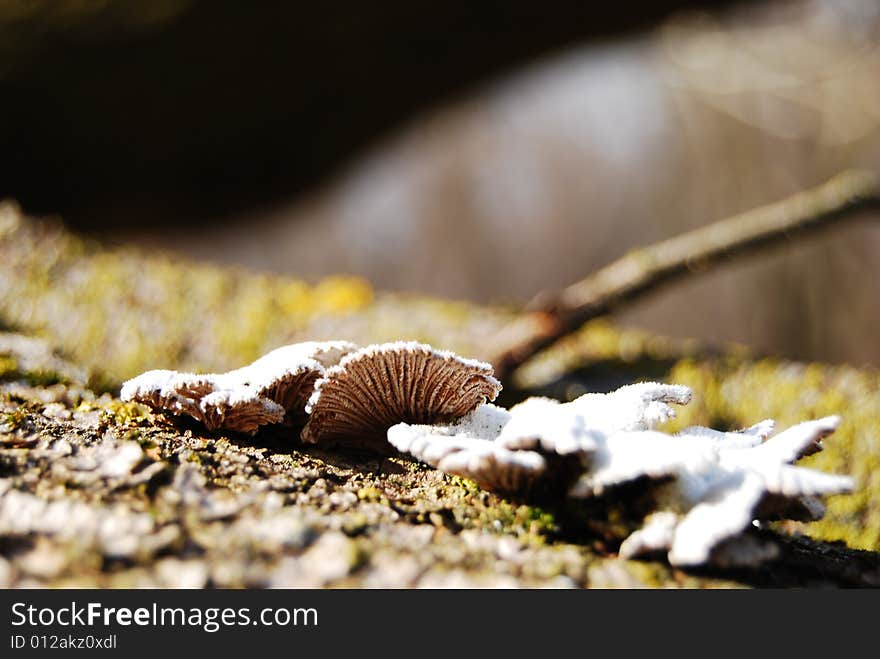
[[94, 491]]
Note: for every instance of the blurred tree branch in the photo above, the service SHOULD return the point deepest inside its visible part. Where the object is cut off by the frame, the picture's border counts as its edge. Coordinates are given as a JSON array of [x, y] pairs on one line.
[[643, 270]]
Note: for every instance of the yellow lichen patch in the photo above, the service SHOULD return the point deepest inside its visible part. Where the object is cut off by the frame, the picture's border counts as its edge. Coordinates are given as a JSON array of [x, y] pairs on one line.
[[8, 367], [126, 413], [121, 311], [336, 294]]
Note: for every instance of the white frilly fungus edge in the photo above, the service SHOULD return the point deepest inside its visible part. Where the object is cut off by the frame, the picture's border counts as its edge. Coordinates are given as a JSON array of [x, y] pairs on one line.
[[710, 486]]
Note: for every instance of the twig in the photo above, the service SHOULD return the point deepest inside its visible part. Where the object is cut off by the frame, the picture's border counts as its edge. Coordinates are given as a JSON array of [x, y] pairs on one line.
[[645, 269]]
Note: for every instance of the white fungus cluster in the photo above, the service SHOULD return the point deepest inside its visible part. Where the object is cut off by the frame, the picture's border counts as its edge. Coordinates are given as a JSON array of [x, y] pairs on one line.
[[708, 486]]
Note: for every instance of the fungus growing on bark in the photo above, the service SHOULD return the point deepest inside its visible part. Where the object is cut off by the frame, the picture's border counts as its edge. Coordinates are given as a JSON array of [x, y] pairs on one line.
[[707, 486], [358, 400], [539, 444], [714, 498], [274, 389], [466, 447], [566, 427]]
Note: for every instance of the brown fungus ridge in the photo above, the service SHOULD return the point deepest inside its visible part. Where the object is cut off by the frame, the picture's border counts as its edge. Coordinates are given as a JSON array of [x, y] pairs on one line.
[[377, 387], [287, 375], [230, 410], [272, 390]]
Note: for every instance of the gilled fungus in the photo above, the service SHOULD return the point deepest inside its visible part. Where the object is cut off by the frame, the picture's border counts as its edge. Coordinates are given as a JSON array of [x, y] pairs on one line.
[[466, 447], [358, 400], [704, 489], [272, 390], [539, 445], [707, 486]]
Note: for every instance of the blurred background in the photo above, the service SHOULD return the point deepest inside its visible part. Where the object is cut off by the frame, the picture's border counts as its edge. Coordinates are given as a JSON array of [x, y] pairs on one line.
[[481, 151]]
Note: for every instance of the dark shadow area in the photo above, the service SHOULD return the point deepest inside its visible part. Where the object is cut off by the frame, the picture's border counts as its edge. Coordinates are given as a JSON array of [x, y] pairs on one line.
[[231, 105], [601, 524], [282, 440], [601, 376], [806, 563]]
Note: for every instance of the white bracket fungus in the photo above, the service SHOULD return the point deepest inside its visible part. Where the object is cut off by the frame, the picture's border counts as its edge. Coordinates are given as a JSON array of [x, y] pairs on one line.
[[273, 389], [498, 448], [370, 390], [708, 486]]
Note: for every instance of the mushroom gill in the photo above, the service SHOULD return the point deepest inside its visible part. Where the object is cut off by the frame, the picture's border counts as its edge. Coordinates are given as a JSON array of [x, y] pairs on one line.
[[357, 401]]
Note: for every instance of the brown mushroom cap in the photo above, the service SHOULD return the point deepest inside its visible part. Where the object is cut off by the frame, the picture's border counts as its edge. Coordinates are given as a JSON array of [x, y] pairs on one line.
[[274, 389], [357, 401], [239, 412], [287, 375]]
